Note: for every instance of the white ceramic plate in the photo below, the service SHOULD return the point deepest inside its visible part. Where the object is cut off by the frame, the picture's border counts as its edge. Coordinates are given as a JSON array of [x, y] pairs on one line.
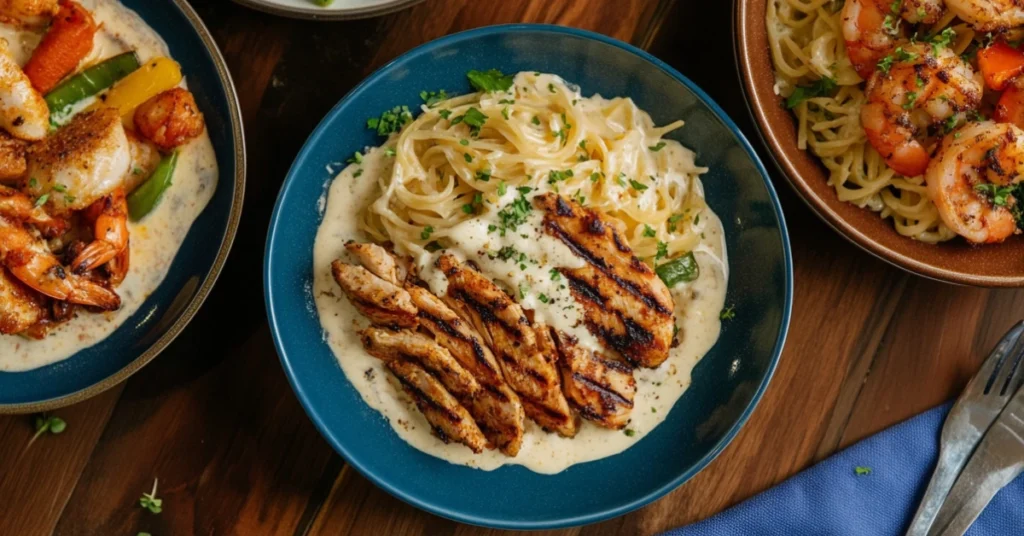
[[338, 10]]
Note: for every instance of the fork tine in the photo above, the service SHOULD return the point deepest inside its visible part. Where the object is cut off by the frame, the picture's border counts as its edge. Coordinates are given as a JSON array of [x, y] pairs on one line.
[[1007, 370], [986, 376], [1015, 378]]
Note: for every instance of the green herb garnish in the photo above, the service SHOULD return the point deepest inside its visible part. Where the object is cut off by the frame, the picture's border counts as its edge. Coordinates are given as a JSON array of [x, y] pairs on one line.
[[820, 88], [490, 80], [678, 270]]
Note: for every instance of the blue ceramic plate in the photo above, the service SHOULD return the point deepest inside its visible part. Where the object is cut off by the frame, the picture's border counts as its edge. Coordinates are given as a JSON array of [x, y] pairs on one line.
[[197, 264], [727, 383]]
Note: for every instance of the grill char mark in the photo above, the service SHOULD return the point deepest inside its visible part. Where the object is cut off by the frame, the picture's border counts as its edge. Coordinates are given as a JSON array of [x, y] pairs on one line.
[[604, 392], [422, 398], [635, 335], [599, 263], [478, 350]]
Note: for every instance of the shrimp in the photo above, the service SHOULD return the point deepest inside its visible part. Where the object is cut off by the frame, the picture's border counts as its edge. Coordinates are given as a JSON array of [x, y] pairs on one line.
[[870, 30], [922, 87], [169, 119], [20, 308], [922, 11], [988, 15], [19, 207], [82, 162], [28, 13], [23, 112], [981, 156], [30, 261], [110, 227]]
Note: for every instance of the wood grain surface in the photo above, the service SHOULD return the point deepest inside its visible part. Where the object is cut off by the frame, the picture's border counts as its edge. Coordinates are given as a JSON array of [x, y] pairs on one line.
[[214, 419]]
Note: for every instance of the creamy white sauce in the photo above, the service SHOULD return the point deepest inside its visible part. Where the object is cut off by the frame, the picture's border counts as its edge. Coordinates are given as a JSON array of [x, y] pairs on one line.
[[156, 239], [698, 305]]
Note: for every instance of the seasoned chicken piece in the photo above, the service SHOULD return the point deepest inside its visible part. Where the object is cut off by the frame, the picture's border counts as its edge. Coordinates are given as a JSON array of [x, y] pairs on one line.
[[625, 304], [388, 345], [20, 308], [383, 302], [510, 336], [444, 413], [496, 408], [375, 259], [82, 162], [600, 389]]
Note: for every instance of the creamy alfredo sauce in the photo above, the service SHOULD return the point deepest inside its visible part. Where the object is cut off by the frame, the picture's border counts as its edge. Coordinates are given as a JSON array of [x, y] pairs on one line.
[[154, 240], [698, 305]]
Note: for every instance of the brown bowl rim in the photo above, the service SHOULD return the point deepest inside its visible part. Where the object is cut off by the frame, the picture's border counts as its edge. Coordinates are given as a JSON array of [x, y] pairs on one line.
[[799, 167]]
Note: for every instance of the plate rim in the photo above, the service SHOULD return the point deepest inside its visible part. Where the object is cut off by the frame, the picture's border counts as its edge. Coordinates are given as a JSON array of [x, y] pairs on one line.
[[598, 515], [227, 241], [319, 13]]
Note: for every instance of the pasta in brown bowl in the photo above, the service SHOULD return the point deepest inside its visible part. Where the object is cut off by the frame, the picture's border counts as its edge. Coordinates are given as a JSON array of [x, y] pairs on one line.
[[913, 106]]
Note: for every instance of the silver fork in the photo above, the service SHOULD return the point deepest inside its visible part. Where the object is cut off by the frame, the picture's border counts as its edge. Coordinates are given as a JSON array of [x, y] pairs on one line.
[[995, 463], [972, 415]]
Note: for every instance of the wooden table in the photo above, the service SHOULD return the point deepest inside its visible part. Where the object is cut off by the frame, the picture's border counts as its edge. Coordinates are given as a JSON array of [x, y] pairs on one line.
[[213, 417]]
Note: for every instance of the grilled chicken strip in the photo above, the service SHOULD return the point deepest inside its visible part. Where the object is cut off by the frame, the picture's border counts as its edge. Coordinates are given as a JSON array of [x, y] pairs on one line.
[[444, 413], [601, 390], [388, 346], [510, 336], [20, 308], [625, 304], [383, 302], [375, 259], [496, 407]]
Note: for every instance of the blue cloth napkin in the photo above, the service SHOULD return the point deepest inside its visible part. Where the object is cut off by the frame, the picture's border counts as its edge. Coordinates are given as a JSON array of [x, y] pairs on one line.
[[831, 499]]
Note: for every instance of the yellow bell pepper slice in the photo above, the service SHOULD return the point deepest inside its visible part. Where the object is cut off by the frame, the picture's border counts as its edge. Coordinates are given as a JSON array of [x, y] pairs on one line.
[[154, 77]]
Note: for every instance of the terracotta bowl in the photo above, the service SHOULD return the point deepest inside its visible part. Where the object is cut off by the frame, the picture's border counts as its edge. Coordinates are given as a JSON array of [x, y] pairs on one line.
[[955, 261]]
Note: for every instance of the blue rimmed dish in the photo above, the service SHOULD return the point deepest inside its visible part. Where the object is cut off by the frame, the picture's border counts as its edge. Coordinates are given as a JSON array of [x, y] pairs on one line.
[[727, 383], [198, 262]]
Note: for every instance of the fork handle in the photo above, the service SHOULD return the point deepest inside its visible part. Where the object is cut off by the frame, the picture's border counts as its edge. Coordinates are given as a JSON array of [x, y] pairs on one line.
[[949, 466], [975, 488]]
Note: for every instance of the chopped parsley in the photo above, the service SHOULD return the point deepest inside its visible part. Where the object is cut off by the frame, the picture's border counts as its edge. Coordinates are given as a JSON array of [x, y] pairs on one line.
[[42, 200], [467, 157], [950, 124], [470, 208], [728, 313], [583, 144], [389, 151], [426, 232], [555, 274], [998, 195], [32, 183], [862, 471], [673, 220], [556, 176], [357, 173], [356, 158], [649, 231], [911, 98], [490, 80], [390, 121], [629, 432], [515, 213], [595, 176], [504, 112], [483, 175], [502, 188], [662, 251], [638, 186], [942, 40], [535, 120], [820, 88], [432, 98], [507, 252], [445, 114], [551, 88], [463, 142], [619, 179], [657, 147], [473, 117], [543, 298]]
